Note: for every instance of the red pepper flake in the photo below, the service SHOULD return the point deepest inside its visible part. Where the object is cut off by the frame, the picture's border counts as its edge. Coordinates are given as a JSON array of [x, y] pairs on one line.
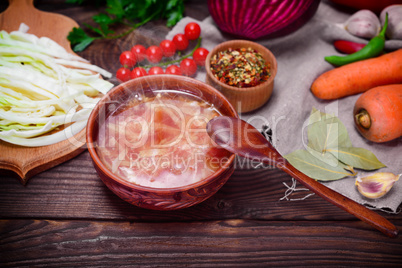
[[242, 67]]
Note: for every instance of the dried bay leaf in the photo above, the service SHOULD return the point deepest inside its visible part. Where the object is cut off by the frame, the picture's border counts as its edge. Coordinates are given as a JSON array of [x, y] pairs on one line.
[[326, 157], [313, 167], [329, 154], [326, 131], [357, 157]]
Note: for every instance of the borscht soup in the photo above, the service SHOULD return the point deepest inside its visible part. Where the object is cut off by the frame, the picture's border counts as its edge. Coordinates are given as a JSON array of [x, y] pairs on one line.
[[160, 141]]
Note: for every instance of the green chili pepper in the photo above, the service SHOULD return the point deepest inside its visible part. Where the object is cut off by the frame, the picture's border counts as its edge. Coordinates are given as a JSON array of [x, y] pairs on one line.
[[373, 48]]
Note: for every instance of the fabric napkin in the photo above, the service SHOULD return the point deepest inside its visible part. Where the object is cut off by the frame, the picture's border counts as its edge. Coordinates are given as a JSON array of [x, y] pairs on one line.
[[300, 56]]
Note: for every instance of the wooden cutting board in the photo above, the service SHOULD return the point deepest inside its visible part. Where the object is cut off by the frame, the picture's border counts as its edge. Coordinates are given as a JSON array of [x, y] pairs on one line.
[[28, 161]]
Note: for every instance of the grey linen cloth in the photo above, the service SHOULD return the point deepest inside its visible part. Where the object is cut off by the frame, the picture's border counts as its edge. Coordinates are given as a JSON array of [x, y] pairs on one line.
[[300, 56]]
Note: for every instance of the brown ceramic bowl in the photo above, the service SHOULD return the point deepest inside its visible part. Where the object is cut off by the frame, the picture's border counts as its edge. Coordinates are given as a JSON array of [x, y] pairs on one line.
[[244, 99], [148, 197]]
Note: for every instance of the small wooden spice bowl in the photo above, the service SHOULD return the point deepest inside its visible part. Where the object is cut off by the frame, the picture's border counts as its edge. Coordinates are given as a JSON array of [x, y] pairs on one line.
[[244, 99]]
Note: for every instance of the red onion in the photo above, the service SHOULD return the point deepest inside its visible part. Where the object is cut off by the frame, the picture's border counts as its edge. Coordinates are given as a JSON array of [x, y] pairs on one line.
[[253, 19]]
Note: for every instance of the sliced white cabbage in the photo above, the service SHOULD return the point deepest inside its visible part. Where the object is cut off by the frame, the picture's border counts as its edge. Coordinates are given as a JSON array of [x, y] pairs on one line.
[[42, 87], [67, 133]]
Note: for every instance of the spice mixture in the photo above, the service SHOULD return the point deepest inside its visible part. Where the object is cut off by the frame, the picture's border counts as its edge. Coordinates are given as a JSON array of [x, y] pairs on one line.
[[242, 67]]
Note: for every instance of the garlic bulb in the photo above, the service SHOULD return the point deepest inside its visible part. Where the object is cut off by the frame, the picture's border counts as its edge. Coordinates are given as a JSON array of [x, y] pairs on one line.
[[376, 185], [394, 29], [363, 23]]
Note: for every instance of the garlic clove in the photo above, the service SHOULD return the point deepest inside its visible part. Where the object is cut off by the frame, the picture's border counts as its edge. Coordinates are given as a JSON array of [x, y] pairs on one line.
[[364, 24], [394, 29], [376, 185]]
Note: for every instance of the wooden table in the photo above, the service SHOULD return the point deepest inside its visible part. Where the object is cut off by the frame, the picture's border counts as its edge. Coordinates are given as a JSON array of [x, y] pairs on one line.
[[67, 217]]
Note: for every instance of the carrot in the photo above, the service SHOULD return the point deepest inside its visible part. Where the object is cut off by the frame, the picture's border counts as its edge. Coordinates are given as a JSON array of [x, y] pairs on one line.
[[378, 113], [359, 76]]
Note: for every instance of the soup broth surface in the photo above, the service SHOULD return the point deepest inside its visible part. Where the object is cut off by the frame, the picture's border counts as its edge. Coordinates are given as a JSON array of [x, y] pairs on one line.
[[160, 141]]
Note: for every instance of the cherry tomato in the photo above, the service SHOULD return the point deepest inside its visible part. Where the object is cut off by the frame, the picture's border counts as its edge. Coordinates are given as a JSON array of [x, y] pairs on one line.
[[173, 69], [188, 67], [181, 41], [139, 52], [154, 54], [199, 56], [138, 72], [127, 59], [168, 48], [155, 70], [123, 74], [192, 31]]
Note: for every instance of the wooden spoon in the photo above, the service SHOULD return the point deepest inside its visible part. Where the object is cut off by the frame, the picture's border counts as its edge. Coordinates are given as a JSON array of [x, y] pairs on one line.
[[241, 138], [28, 161]]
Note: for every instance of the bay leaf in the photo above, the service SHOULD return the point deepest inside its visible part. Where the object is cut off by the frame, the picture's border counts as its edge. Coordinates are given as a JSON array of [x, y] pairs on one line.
[[357, 157], [313, 167], [325, 157], [326, 131]]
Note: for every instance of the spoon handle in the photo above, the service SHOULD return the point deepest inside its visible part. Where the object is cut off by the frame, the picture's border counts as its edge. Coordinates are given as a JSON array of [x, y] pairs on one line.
[[360, 211], [243, 139]]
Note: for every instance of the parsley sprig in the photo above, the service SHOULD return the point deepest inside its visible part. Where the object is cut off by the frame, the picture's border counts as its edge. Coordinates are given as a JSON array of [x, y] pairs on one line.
[[132, 13]]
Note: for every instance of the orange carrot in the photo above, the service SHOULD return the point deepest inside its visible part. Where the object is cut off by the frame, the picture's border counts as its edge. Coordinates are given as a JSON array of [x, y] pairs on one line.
[[378, 113], [359, 76]]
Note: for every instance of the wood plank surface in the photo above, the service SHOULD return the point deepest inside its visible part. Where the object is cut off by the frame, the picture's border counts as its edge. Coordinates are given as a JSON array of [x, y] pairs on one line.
[[74, 190], [67, 217], [229, 243]]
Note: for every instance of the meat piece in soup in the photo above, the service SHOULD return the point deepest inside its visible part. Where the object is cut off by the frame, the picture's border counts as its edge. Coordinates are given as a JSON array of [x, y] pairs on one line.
[[161, 141]]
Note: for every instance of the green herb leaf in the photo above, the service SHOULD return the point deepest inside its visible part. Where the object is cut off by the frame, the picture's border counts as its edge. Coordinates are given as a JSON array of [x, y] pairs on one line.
[[83, 45], [329, 154], [326, 157], [326, 131], [74, 1], [357, 157], [102, 19], [94, 29], [130, 13], [315, 168], [171, 4], [115, 7], [174, 16], [79, 39], [175, 10]]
